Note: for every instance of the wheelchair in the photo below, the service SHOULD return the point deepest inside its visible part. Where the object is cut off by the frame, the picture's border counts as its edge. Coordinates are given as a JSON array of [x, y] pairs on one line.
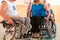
[[53, 26], [14, 29], [10, 29], [43, 29]]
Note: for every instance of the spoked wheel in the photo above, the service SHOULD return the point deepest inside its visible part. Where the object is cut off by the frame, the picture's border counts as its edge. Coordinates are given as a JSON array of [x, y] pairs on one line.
[[54, 29], [9, 33], [17, 30], [14, 33]]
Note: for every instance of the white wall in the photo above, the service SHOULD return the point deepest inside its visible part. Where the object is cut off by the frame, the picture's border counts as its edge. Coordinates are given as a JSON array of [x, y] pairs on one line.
[[20, 2], [0, 1], [52, 2]]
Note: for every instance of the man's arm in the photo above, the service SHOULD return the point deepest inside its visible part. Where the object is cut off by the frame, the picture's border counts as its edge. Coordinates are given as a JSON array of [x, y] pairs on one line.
[[29, 10], [2, 12], [52, 13], [48, 10]]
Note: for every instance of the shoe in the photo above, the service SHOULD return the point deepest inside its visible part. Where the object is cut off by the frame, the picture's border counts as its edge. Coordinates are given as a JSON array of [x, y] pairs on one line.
[[48, 37], [26, 36], [17, 36], [53, 35], [35, 35]]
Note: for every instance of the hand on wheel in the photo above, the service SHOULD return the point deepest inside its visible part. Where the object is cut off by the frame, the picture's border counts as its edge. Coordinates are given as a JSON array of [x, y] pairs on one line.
[[10, 21]]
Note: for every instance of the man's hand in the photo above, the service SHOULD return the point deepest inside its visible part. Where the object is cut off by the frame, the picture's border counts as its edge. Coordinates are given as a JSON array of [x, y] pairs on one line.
[[47, 18], [10, 21], [48, 12]]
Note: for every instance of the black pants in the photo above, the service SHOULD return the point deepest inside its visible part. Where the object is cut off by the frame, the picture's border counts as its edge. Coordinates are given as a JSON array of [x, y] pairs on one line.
[[35, 22]]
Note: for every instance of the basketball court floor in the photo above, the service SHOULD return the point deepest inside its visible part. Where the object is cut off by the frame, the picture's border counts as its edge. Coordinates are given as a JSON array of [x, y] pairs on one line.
[[8, 37]]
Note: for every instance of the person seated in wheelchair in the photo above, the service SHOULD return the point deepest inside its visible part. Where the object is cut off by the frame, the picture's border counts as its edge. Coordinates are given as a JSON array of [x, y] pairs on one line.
[[9, 13], [36, 11], [51, 18]]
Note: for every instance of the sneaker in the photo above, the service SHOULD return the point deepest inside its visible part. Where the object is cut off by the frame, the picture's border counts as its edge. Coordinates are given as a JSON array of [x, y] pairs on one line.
[[48, 37], [17, 36], [35, 35], [53, 35], [26, 36]]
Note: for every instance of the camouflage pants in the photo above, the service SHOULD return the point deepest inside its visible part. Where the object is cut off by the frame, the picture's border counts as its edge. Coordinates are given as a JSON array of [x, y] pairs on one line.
[[24, 25]]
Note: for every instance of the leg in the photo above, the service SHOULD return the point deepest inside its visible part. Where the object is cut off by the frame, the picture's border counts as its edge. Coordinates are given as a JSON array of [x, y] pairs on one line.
[[35, 21], [27, 24], [48, 26]]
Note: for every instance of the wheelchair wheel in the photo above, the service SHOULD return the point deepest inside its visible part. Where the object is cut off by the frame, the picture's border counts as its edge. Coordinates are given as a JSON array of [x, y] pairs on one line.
[[43, 29], [9, 33], [12, 31], [17, 30], [9, 30], [54, 28]]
